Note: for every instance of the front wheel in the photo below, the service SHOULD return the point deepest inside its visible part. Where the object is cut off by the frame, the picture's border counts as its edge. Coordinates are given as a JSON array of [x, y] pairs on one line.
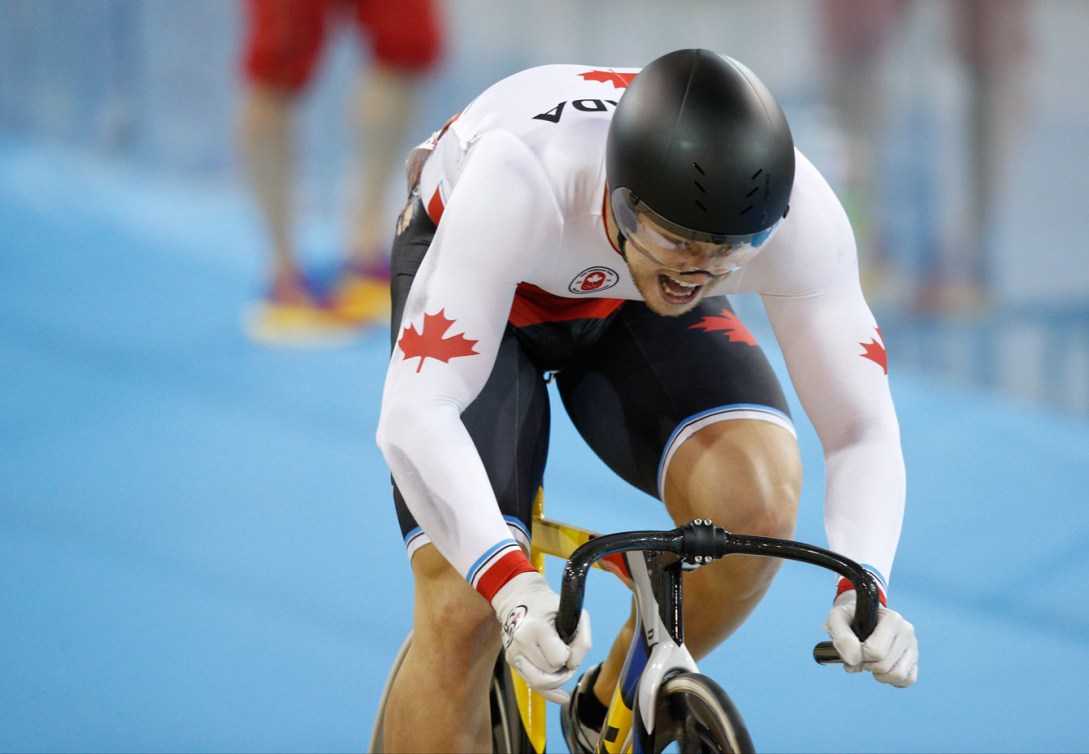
[[509, 735], [378, 733], [695, 713]]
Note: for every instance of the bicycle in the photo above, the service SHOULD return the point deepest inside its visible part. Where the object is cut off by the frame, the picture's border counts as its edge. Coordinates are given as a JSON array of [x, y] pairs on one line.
[[661, 697]]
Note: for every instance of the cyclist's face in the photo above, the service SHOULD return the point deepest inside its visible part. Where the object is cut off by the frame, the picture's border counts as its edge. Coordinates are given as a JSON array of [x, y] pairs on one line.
[[673, 273]]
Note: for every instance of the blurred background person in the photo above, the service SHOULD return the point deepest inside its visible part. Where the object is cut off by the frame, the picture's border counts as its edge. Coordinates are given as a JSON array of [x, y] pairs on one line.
[[991, 41], [284, 40]]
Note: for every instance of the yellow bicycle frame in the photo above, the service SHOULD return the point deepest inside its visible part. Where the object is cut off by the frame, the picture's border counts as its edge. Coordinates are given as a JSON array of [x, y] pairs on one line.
[[558, 539]]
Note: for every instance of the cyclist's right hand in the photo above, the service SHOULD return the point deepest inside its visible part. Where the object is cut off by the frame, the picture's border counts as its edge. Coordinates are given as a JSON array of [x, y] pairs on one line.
[[526, 607]]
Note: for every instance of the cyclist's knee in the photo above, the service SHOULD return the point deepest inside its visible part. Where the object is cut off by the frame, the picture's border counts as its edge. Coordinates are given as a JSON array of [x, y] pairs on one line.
[[449, 613], [766, 503], [745, 475]]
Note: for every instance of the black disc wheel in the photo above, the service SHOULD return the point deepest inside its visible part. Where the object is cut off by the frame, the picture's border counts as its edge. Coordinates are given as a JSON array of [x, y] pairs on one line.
[[695, 714]]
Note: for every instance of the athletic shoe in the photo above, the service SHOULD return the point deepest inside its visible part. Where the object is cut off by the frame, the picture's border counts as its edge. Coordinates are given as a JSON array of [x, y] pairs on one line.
[[580, 736], [291, 315], [362, 295]]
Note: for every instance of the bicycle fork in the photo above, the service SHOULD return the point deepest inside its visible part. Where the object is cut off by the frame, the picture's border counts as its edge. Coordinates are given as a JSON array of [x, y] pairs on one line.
[[656, 651]]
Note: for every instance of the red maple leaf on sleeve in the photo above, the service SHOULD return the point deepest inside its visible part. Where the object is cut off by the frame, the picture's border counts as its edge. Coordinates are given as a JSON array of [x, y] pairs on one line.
[[429, 342], [618, 80], [875, 351], [727, 323]]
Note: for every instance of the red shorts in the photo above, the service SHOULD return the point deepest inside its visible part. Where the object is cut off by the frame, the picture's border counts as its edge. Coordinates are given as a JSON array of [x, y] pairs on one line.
[[285, 37]]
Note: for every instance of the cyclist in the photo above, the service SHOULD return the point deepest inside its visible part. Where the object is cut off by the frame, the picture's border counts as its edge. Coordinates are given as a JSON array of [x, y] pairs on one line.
[[585, 223]]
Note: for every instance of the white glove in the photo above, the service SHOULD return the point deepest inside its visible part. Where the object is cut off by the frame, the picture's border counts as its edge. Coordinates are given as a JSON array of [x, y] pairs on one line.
[[891, 652], [526, 606]]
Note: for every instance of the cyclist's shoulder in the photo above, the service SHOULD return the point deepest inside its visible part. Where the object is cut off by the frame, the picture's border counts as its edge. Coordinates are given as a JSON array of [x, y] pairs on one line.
[[814, 248], [812, 191], [574, 79], [549, 105]]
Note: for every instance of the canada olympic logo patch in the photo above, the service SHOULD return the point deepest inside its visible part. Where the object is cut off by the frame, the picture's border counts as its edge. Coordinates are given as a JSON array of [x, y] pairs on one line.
[[513, 620], [594, 279]]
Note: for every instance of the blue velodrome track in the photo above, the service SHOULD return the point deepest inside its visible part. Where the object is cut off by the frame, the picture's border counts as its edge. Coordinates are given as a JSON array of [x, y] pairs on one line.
[[197, 552]]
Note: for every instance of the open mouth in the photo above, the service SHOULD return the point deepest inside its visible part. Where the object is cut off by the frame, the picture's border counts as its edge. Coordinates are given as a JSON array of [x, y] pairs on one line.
[[677, 291]]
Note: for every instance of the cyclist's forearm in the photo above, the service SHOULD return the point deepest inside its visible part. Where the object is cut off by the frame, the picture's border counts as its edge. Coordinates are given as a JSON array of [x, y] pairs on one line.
[[864, 500], [444, 484]]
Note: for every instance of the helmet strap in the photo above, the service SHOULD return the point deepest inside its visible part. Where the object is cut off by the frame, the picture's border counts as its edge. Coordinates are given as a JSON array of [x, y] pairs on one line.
[[622, 244]]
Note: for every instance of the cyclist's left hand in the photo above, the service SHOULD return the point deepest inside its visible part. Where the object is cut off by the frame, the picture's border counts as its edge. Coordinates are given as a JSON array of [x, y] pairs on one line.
[[891, 652]]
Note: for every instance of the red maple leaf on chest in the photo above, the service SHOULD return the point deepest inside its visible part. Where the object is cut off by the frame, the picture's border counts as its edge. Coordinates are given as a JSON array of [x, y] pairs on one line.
[[618, 80], [429, 342], [727, 323]]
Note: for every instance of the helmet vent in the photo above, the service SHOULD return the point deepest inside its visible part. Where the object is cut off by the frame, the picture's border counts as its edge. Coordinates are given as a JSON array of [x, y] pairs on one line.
[[699, 186], [753, 177]]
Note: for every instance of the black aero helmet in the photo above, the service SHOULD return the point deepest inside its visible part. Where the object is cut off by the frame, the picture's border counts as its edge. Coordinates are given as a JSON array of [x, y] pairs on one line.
[[700, 144]]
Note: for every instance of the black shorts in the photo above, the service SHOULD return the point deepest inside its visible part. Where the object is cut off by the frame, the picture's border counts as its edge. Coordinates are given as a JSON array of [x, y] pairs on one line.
[[634, 383]]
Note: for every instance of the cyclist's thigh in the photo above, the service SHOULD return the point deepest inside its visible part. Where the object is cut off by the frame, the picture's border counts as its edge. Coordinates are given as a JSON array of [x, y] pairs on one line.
[[652, 379], [508, 421]]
